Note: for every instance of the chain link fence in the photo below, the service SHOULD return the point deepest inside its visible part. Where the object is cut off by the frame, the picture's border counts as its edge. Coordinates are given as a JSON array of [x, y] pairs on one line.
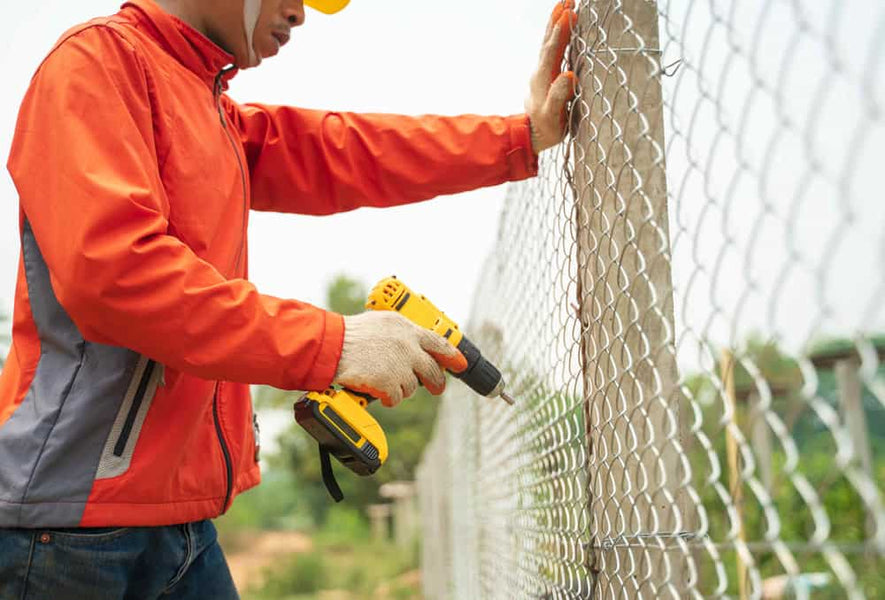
[[687, 305]]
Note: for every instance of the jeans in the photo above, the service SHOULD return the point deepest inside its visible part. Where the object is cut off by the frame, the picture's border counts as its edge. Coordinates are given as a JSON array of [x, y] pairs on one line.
[[177, 562]]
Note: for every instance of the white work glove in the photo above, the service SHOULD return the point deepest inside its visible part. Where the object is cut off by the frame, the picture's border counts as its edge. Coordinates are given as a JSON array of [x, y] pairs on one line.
[[386, 355], [551, 88]]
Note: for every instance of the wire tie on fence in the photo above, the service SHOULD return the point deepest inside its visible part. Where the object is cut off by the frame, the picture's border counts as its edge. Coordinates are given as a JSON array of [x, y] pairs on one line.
[[673, 65], [682, 535], [637, 49], [665, 71]]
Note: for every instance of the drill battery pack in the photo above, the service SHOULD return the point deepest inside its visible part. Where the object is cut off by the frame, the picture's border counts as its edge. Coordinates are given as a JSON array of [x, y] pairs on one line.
[[342, 426]]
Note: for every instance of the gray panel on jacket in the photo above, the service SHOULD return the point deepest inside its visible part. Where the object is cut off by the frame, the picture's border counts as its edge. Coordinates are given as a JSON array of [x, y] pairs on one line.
[[111, 464], [50, 446]]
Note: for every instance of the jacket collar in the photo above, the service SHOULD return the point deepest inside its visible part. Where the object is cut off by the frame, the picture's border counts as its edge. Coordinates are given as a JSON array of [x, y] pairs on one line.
[[187, 45]]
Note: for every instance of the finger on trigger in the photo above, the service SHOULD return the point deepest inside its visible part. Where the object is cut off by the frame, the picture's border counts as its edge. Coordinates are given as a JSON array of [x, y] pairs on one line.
[[433, 388], [395, 397], [455, 363], [433, 342], [443, 352], [373, 392], [410, 386], [431, 376]]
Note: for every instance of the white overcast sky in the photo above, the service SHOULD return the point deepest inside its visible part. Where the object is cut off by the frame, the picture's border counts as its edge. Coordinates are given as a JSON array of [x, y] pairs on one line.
[[400, 56]]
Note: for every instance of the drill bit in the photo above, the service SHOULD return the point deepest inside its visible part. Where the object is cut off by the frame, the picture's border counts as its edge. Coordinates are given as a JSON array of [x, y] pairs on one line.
[[507, 398]]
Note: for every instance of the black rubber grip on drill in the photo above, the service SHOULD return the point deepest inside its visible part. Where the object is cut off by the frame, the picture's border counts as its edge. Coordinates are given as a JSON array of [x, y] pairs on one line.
[[480, 374]]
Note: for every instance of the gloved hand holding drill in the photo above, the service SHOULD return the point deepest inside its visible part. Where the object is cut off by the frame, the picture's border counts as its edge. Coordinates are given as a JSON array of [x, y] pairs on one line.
[[404, 339], [386, 355]]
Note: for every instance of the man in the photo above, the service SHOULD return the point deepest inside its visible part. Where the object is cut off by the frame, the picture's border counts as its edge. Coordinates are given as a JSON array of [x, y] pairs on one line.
[[125, 418]]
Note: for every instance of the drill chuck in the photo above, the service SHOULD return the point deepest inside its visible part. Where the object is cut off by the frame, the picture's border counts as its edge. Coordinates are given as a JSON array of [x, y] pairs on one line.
[[480, 375]]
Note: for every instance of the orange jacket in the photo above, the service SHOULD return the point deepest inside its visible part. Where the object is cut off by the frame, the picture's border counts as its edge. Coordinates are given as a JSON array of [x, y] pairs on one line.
[[124, 400]]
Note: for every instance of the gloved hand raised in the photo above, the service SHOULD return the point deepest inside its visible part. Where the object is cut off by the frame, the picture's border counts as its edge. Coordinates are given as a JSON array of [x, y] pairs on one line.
[[386, 355], [551, 89]]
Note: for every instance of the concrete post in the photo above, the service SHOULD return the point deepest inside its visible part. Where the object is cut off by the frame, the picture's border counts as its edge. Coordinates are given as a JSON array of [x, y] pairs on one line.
[[405, 511], [760, 434], [640, 520], [379, 518], [851, 401]]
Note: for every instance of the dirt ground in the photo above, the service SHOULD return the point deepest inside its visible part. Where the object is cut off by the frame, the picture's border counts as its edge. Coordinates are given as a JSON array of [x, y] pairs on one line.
[[261, 552]]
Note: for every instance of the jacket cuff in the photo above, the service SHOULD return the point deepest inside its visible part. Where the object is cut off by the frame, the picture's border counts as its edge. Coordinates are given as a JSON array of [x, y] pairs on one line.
[[521, 158], [326, 364]]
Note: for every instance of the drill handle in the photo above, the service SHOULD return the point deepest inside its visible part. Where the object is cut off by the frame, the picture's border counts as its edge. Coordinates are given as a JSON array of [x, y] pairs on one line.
[[364, 399]]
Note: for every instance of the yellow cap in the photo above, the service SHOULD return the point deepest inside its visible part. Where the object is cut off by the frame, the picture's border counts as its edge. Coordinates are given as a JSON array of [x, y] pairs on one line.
[[329, 7]]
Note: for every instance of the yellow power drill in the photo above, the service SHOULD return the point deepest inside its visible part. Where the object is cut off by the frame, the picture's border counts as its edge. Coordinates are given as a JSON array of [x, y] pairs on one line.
[[338, 419]]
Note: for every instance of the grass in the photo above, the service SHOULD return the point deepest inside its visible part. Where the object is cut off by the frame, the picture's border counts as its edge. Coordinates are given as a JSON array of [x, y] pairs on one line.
[[361, 571], [345, 564]]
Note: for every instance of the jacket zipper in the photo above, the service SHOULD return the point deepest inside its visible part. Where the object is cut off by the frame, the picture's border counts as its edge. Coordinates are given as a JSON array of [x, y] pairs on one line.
[[233, 145], [228, 464], [129, 423]]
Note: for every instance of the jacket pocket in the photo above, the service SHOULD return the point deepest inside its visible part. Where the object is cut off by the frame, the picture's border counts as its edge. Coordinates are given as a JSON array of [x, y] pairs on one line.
[[121, 441]]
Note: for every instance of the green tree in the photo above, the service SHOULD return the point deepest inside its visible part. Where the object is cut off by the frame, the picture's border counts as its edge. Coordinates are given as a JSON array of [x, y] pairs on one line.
[[346, 296]]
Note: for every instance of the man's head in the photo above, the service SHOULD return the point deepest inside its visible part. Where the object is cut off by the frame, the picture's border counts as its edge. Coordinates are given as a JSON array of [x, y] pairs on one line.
[[251, 30]]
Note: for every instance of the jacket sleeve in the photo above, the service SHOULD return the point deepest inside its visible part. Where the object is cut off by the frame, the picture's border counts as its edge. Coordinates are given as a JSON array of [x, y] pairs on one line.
[[85, 165], [315, 162]]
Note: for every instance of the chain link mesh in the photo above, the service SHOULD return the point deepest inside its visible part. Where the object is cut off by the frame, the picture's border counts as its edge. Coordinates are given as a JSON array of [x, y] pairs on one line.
[[687, 306]]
